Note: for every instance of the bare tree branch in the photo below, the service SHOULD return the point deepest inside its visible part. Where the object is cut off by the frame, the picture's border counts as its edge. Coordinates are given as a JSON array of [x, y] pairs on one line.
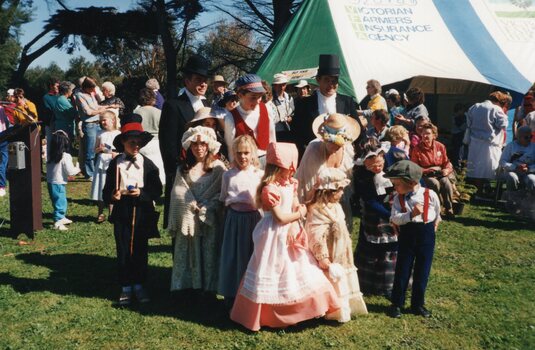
[[260, 15], [246, 25]]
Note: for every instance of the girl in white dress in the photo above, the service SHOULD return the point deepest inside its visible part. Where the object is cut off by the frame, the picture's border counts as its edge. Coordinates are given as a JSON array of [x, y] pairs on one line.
[[105, 152]]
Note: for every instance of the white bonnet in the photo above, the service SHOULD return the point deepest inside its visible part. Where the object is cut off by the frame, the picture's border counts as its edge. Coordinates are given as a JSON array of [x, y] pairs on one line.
[[203, 134], [331, 179]]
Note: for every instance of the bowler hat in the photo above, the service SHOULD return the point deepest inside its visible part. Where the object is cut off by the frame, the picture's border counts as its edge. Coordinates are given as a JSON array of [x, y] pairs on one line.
[[197, 64], [329, 65]]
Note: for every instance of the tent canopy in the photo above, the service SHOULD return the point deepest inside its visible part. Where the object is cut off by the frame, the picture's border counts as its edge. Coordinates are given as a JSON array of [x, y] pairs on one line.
[[484, 41]]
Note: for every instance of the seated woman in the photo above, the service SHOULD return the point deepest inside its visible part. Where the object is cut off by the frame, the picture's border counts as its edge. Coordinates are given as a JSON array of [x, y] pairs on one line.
[[415, 136], [437, 168]]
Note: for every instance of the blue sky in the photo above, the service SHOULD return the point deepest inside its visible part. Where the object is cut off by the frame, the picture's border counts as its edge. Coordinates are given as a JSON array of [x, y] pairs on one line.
[[42, 12]]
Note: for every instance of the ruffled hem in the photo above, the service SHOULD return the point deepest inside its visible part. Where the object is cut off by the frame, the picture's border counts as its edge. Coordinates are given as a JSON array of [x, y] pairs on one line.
[[253, 315]]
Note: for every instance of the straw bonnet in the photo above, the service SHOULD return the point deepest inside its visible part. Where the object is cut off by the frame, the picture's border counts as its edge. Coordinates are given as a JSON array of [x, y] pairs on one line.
[[201, 134], [204, 113], [336, 128], [331, 179]]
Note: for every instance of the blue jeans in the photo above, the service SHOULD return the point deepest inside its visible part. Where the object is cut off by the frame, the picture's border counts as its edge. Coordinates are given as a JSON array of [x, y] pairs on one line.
[[90, 131], [3, 163], [58, 195]]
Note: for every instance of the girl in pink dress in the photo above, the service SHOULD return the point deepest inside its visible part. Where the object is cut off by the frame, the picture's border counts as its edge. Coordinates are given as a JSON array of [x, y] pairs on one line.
[[283, 284]]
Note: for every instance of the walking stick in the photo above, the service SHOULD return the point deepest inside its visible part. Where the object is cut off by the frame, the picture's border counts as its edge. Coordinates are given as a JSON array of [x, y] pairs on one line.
[[133, 224]]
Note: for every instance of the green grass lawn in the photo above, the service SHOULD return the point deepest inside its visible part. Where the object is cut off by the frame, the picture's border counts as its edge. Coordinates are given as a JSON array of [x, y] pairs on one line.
[[58, 293]]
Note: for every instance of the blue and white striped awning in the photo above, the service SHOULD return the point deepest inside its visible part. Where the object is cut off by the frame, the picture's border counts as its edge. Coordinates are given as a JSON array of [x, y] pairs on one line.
[[487, 41]]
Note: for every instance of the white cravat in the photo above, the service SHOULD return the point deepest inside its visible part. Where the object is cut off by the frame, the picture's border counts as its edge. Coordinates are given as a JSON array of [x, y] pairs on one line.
[[326, 104], [196, 101]]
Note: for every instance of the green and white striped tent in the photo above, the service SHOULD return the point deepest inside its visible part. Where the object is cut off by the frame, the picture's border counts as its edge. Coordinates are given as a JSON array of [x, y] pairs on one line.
[[484, 41]]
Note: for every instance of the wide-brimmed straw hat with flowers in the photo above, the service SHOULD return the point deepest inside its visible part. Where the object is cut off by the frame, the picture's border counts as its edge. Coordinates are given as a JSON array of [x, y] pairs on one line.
[[201, 134], [336, 128], [331, 179]]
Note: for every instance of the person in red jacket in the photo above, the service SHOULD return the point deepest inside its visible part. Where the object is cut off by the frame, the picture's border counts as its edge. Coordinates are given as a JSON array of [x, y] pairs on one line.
[[437, 168]]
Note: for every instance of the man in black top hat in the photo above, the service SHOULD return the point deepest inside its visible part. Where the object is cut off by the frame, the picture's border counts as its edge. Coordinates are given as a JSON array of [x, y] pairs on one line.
[[176, 113], [323, 100]]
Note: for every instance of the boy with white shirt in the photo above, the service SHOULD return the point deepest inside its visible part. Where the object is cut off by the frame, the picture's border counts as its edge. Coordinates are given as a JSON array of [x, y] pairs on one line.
[[416, 213]]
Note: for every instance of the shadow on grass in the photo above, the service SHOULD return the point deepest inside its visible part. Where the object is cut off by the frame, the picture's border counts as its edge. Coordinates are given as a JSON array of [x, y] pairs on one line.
[[83, 201], [492, 218], [161, 248], [48, 217], [93, 276]]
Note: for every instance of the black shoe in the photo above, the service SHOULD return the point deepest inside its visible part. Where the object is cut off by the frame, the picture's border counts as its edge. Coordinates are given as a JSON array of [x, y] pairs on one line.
[[394, 312], [421, 311], [125, 299]]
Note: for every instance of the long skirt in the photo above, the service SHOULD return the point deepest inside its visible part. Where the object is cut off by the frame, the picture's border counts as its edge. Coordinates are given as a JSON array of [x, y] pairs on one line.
[[376, 264], [236, 250]]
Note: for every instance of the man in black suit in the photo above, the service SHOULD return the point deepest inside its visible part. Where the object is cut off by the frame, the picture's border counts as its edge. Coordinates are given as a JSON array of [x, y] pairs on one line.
[[176, 113], [323, 100]]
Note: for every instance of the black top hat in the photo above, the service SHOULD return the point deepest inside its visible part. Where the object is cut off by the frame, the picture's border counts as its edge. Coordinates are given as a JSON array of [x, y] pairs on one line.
[[131, 126], [197, 64], [329, 65]]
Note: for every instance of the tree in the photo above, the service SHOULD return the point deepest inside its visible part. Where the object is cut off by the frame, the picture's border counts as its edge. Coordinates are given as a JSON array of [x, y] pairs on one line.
[[233, 50], [167, 20], [267, 18], [13, 13]]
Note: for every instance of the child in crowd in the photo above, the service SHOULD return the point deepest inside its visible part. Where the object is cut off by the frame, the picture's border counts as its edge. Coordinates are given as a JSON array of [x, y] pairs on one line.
[[282, 284], [209, 118], [238, 193], [416, 212], [195, 214], [399, 145], [132, 186], [59, 168], [105, 152], [330, 242], [376, 252]]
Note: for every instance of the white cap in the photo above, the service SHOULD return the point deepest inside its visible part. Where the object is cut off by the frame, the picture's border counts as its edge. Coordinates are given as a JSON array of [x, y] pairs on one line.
[[301, 83], [391, 92], [280, 78], [10, 92]]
